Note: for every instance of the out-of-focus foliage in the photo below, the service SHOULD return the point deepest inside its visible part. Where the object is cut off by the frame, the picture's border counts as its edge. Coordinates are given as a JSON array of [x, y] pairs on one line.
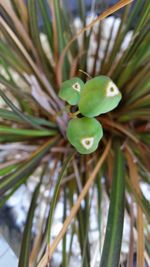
[[35, 57]]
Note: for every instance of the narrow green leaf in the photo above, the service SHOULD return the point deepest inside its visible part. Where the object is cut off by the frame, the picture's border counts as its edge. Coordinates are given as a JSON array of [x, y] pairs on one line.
[[61, 39], [4, 198], [15, 138], [64, 252], [18, 112], [104, 64], [13, 58], [141, 200], [122, 30], [27, 132], [35, 33], [26, 168], [6, 68], [10, 115], [55, 195], [26, 241], [82, 11], [99, 201], [144, 17], [86, 259], [112, 244], [20, 95], [46, 21], [8, 169], [14, 89], [59, 22]]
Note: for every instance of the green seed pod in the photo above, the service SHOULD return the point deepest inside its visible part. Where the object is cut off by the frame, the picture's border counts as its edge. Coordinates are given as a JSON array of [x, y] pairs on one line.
[[99, 95], [70, 90], [84, 134]]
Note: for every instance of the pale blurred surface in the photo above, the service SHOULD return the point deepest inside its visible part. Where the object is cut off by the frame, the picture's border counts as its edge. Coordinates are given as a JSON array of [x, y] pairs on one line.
[[7, 256]]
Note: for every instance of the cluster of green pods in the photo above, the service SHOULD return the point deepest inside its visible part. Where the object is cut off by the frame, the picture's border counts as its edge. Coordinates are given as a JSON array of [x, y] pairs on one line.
[[97, 96]]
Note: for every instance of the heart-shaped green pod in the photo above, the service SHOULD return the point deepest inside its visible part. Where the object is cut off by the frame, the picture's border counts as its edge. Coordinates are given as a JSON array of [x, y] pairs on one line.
[[99, 95], [70, 90], [84, 134]]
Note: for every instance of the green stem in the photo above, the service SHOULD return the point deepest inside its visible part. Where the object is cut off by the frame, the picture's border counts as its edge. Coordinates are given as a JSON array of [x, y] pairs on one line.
[[76, 113]]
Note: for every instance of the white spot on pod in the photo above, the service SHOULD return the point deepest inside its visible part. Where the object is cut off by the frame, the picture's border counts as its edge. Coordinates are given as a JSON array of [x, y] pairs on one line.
[[87, 142], [111, 90], [76, 86]]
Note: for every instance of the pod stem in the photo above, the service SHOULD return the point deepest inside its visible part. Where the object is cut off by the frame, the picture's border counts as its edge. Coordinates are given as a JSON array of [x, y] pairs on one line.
[[74, 115]]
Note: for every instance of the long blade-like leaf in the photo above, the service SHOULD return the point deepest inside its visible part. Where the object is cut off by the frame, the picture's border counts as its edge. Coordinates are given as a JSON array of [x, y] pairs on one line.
[[18, 112], [10, 115], [26, 169], [53, 203], [112, 244], [26, 132], [26, 241]]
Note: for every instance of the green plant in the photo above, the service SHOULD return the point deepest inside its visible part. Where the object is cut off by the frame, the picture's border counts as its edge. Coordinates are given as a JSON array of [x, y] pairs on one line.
[[84, 134], [97, 96], [70, 90], [34, 120]]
